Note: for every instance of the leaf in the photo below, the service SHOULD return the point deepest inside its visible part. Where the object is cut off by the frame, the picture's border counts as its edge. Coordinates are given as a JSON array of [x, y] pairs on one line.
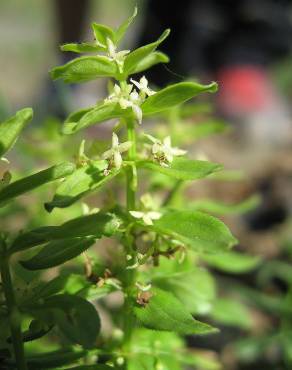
[[11, 128], [84, 47], [83, 181], [52, 359], [201, 232], [230, 312], [136, 56], [150, 60], [102, 33], [32, 182], [84, 69], [213, 206], [95, 225], [195, 288], [57, 252], [76, 318], [98, 114], [92, 367], [232, 262], [183, 168], [174, 94], [122, 29], [165, 312]]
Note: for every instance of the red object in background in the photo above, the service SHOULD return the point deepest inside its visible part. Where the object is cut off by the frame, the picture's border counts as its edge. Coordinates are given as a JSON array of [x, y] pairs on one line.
[[244, 90]]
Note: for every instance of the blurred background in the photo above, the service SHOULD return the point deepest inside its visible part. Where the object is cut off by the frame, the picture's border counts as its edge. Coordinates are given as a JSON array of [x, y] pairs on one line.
[[246, 47]]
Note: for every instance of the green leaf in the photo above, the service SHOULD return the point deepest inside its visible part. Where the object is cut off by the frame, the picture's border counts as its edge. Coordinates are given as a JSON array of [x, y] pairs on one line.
[[195, 288], [57, 252], [75, 317], [174, 94], [232, 262], [231, 312], [201, 232], [11, 128], [98, 114], [84, 47], [183, 168], [92, 367], [122, 29], [136, 56], [150, 60], [83, 181], [213, 206], [165, 312], [95, 225], [84, 69], [102, 32], [52, 359], [32, 182]]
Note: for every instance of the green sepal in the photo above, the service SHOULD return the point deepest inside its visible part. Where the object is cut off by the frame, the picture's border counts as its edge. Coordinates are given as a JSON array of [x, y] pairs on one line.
[[32, 182], [173, 95], [11, 128], [166, 313], [84, 69], [183, 168], [58, 252], [197, 230]]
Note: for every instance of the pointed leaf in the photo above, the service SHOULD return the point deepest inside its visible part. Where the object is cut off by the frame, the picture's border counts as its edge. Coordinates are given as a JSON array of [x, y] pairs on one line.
[[57, 252], [216, 207], [122, 29], [165, 312], [11, 128], [76, 318], [95, 225], [99, 114], [102, 32], [201, 232], [150, 60], [84, 47], [174, 94], [84, 69], [232, 262], [83, 181], [136, 56], [32, 182], [183, 168]]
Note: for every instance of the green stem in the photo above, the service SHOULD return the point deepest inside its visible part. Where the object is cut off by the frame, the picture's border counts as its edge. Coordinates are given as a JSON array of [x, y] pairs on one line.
[[131, 186], [13, 313]]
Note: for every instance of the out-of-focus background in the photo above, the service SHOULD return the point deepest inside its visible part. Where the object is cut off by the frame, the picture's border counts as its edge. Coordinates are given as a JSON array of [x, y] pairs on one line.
[[244, 45]]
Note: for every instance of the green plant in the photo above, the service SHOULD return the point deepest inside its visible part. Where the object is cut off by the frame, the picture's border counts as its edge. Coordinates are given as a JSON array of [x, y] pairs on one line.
[[154, 246]]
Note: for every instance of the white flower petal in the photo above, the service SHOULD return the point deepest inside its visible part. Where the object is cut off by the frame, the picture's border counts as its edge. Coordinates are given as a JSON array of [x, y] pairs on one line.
[[137, 112], [108, 154], [125, 146], [154, 215], [115, 140], [137, 214], [147, 219], [118, 159]]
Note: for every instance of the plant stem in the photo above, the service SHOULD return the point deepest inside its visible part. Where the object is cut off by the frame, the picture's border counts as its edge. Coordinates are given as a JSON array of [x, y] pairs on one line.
[[13, 312], [131, 186]]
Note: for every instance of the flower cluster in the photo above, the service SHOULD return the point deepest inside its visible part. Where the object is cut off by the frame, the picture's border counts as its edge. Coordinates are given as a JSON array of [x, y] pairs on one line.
[[113, 155], [127, 97]]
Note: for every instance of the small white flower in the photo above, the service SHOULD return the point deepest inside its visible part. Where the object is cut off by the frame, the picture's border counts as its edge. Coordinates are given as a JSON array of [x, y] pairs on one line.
[[147, 217], [126, 98], [142, 85], [118, 57], [114, 154], [163, 151]]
